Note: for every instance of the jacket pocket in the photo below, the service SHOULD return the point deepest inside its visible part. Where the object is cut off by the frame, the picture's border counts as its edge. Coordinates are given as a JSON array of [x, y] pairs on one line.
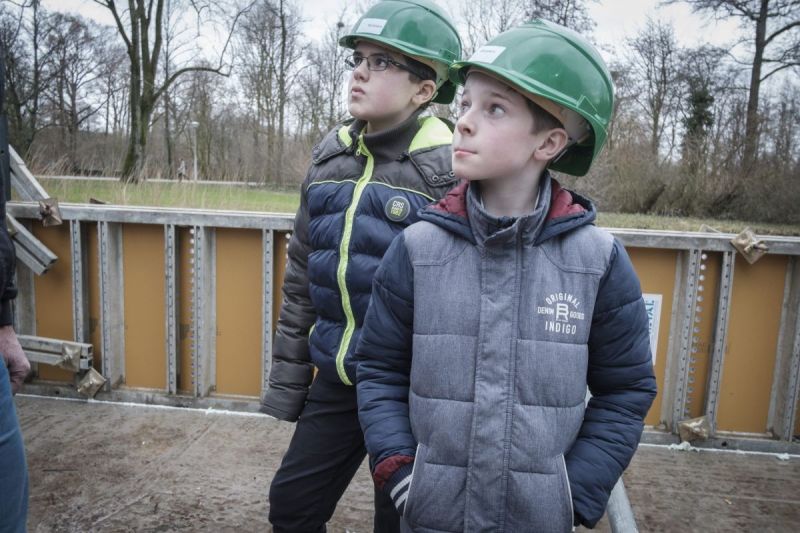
[[565, 479], [419, 457]]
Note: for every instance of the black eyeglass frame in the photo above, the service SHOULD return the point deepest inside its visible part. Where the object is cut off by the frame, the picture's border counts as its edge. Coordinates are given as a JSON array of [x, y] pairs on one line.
[[354, 60]]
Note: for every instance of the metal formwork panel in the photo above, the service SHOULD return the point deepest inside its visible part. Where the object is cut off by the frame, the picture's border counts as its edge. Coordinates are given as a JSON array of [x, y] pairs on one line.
[[270, 294], [185, 366], [144, 312], [682, 336], [750, 359], [92, 267], [203, 310], [171, 306], [80, 278], [239, 305], [786, 381], [714, 380], [281, 249], [54, 295], [701, 345], [25, 303], [112, 319], [657, 272]]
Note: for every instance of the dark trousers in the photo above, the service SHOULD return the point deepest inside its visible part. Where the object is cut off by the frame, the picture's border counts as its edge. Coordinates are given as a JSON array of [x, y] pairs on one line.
[[13, 471], [325, 452]]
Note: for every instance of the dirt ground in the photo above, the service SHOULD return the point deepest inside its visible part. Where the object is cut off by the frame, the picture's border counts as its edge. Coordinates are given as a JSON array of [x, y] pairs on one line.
[[127, 468]]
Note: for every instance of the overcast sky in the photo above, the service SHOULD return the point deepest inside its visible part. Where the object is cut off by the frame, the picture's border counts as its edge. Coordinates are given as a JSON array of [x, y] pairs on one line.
[[616, 19]]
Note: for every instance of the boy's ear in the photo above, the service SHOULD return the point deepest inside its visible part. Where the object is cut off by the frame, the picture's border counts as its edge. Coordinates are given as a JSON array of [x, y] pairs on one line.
[[426, 90], [552, 145]]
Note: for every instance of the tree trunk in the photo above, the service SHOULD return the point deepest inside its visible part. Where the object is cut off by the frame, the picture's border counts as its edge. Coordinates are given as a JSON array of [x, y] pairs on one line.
[[751, 124]]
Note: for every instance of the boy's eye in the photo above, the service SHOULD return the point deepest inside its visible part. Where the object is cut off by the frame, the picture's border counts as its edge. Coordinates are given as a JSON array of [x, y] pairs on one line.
[[496, 110], [380, 62], [463, 106]]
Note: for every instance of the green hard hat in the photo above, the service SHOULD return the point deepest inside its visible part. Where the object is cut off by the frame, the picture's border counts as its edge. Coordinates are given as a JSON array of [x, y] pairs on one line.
[[547, 61], [417, 28]]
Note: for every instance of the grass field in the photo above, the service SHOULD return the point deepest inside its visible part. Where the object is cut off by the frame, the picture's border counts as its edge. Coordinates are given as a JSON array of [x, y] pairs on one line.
[[240, 198]]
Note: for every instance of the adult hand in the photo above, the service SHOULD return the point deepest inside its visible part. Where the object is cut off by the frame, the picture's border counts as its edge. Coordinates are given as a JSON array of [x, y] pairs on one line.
[[14, 358]]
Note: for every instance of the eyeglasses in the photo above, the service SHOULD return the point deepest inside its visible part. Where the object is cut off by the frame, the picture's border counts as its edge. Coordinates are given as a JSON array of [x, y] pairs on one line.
[[379, 62]]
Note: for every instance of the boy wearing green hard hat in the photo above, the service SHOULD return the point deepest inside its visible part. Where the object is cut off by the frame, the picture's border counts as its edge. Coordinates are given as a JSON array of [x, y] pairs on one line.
[[367, 180], [504, 304]]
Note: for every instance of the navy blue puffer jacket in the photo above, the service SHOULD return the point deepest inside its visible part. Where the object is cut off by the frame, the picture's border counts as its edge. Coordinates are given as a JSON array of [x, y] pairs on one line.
[[360, 192]]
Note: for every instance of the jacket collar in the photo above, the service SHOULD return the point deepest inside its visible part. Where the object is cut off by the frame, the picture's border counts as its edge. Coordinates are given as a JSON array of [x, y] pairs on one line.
[[558, 210], [387, 145]]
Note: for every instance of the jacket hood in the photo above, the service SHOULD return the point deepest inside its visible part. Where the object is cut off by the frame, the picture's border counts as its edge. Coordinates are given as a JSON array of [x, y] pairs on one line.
[[460, 212]]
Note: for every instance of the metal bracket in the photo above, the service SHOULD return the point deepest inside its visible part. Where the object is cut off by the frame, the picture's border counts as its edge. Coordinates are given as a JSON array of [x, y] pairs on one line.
[[29, 249], [74, 356]]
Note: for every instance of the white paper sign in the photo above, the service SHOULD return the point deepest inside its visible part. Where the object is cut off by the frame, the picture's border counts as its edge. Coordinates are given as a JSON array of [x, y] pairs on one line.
[[652, 303], [371, 26], [487, 54]]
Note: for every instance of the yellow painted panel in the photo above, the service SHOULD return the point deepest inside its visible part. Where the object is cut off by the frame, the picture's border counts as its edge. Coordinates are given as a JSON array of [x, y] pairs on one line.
[[53, 293], [143, 264], [184, 366], [752, 343], [656, 271], [239, 312]]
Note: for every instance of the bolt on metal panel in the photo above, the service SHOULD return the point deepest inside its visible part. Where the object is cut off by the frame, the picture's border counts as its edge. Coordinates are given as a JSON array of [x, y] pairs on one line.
[[111, 303]]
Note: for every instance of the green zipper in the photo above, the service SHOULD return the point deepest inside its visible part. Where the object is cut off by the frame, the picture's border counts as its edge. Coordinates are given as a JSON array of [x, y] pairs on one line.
[[343, 258]]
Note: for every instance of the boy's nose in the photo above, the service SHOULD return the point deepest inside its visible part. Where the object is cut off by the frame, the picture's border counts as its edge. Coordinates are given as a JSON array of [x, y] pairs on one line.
[[464, 124], [361, 72]]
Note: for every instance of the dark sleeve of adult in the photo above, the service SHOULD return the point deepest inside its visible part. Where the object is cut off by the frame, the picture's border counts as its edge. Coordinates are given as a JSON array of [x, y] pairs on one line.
[[7, 256], [383, 375], [622, 383], [291, 370]]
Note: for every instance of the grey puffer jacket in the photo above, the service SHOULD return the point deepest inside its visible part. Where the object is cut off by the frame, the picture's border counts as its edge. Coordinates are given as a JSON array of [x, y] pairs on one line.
[[476, 352]]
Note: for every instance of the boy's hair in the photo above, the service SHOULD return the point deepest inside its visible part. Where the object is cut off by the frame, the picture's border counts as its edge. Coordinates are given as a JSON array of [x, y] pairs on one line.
[[423, 69], [542, 120], [427, 72]]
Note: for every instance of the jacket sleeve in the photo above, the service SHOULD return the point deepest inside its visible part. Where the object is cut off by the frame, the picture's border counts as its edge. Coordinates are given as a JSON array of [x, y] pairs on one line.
[[384, 366], [291, 371], [621, 381], [8, 290]]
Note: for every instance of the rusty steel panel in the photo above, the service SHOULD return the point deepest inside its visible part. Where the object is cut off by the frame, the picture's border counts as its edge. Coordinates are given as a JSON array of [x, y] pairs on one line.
[[184, 259], [54, 294], [143, 265], [656, 271], [747, 375], [239, 309]]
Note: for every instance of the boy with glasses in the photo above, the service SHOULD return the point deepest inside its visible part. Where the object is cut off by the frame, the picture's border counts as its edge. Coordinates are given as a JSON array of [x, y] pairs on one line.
[[366, 182]]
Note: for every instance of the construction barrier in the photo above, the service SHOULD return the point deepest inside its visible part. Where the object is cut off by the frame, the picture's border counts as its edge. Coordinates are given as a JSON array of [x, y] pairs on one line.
[[180, 306]]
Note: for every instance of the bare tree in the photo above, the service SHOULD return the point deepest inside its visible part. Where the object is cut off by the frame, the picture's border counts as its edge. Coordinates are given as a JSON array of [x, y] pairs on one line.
[[775, 27], [484, 19], [654, 62], [140, 24], [270, 53], [573, 14], [72, 94], [22, 32]]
